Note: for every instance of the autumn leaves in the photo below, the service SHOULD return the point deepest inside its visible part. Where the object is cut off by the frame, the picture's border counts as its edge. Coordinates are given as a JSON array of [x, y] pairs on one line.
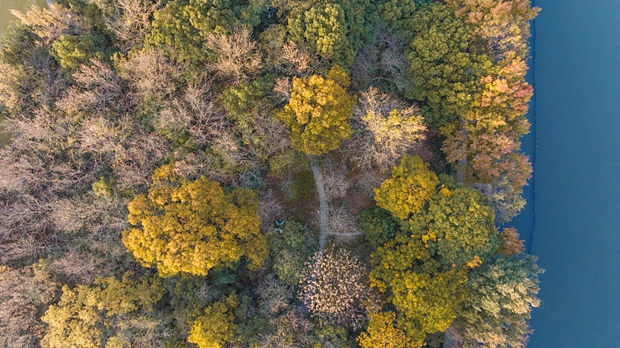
[[193, 226]]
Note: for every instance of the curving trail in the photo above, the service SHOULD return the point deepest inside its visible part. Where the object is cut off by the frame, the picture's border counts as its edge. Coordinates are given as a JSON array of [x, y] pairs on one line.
[[323, 202]]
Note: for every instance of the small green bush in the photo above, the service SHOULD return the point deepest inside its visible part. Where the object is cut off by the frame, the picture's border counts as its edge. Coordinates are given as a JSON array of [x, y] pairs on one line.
[[103, 187]]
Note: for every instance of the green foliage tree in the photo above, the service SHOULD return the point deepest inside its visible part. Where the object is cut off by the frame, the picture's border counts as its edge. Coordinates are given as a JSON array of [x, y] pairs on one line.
[[326, 31], [181, 27], [412, 184], [331, 336], [72, 51], [20, 78], [502, 295], [319, 112], [457, 226], [397, 15], [172, 29], [243, 103], [291, 249], [446, 66], [378, 226], [216, 326], [193, 226], [87, 315], [333, 29]]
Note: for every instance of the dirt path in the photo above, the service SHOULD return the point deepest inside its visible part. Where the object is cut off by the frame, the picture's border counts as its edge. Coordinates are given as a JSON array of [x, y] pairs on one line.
[[323, 202]]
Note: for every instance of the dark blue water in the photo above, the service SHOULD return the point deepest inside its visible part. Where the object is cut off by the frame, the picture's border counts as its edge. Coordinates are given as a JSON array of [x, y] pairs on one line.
[[577, 180]]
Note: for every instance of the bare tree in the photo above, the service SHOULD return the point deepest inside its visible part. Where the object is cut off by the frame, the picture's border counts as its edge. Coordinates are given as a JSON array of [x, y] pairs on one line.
[[98, 88], [128, 20], [51, 23], [275, 297], [142, 153], [150, 74], [333, 287], [295, 60], [24, 294], [342, 223], [282, 89], [206, 120], [269, 209], [384, 130], [336, 184], [25, 229], [381, 63], [236, 55], [289, 330]]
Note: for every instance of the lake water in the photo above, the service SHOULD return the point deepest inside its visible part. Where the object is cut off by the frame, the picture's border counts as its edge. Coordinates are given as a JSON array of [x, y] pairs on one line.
[[577, 231]]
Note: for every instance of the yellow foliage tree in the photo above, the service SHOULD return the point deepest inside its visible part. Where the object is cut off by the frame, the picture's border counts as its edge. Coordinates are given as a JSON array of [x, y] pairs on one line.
[[412, 184], [319, 112], [86, 315], [425, 294], [381, 333], [216, 326], [193, 226]]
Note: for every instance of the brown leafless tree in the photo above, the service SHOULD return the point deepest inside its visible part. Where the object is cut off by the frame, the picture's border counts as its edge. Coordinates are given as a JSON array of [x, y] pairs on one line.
[[236, 55], [333, 287], [384, 129]]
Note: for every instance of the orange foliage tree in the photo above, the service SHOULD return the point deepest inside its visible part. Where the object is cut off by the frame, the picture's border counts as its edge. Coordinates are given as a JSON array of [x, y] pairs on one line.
[[484, 142]]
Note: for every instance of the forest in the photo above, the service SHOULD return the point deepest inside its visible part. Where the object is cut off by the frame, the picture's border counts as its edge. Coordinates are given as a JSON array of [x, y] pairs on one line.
[[265, 173]]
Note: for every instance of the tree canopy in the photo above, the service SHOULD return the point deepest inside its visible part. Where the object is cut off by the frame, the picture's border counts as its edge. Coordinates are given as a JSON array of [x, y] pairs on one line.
[[181, 27], [446, 65], [319, 112], [503, 292], [412, 185], [425, 293], [215, 327], [382, 333], [193, 226], [458, 226], [90, 316]]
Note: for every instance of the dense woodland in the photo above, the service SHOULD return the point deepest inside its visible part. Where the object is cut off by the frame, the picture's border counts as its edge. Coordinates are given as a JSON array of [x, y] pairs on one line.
[[265, 173]]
